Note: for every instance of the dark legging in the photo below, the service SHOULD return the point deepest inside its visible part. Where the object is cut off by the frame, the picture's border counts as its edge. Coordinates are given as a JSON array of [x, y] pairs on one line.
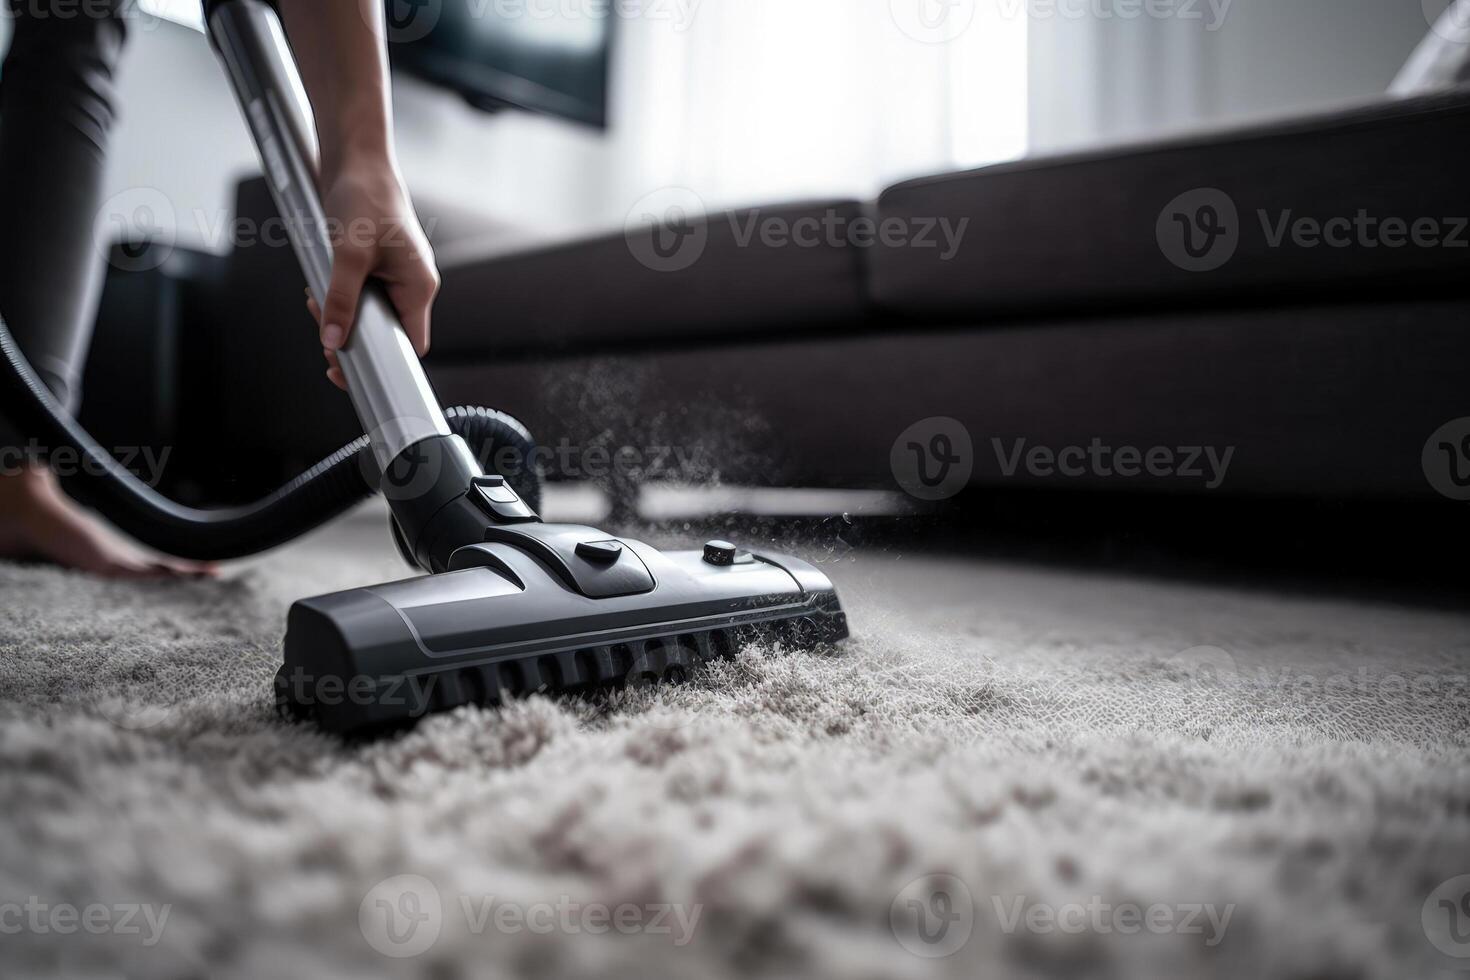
[[56, 113]]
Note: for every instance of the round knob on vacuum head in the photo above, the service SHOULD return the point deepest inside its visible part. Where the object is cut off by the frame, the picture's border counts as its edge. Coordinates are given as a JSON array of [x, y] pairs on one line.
[[720, 553]]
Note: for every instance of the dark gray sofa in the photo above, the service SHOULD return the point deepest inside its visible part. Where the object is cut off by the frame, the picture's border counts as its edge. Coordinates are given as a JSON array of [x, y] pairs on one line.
[[1060, 320]]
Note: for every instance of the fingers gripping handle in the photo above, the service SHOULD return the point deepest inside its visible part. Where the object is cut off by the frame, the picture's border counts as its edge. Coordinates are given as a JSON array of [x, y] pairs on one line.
[[387, 384]]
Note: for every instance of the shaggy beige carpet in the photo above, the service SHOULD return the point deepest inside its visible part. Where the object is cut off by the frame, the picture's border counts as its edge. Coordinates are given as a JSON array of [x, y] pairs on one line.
[[1033, 772]]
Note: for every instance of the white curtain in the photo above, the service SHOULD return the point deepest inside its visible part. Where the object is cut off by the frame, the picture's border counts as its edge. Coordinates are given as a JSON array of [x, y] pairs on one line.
[[1099, 77], [741, 102], [763, 100]]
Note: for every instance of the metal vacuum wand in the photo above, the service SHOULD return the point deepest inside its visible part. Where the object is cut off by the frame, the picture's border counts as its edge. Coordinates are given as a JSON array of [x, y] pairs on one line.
[[387, 384]]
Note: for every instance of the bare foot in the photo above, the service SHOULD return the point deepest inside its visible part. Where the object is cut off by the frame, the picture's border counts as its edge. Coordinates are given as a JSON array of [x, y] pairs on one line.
[[39, 522]]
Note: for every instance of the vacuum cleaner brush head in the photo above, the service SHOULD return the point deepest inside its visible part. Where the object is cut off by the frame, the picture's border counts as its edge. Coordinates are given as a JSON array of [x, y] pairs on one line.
[[575, 611], [512, 605]]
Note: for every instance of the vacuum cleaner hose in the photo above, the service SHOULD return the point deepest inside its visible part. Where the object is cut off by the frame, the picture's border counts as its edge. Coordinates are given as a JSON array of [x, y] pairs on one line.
[[311, 499]]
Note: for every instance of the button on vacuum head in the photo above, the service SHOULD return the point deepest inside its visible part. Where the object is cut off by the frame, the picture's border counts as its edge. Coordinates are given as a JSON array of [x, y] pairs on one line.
[[720, 553], [723, 554], [600, 551]]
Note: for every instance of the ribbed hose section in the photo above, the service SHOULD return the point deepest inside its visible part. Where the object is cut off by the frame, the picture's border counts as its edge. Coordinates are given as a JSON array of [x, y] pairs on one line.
[[501, 444], [310, 500]]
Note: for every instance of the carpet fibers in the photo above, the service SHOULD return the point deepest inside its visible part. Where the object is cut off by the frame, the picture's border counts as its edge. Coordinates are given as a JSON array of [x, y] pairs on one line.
[[1010, 771]]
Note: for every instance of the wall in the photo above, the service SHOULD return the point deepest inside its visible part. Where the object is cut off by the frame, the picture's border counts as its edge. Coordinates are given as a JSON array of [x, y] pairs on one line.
[[179, 130], [1101, 79]]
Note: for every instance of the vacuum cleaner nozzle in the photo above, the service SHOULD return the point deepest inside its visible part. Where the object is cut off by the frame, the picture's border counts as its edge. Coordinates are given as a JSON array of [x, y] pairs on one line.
[[541, 608], [512, 605]]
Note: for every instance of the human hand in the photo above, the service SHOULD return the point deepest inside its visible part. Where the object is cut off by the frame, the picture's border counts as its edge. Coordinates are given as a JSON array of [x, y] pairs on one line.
[[375, 234]]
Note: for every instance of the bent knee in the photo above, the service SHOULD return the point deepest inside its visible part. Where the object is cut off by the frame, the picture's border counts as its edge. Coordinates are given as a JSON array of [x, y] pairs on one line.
[[64, 56]]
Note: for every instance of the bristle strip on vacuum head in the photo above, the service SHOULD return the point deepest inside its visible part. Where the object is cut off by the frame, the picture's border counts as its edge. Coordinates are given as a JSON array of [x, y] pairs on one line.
[[629, 663]]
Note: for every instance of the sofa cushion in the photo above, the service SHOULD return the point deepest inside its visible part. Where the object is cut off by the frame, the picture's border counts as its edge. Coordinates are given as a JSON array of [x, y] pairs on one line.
[[1324, 401], [736, 274], [1272, 211]]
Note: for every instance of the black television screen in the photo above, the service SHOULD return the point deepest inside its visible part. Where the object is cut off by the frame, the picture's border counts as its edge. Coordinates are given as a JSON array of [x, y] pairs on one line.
[[527, 54]]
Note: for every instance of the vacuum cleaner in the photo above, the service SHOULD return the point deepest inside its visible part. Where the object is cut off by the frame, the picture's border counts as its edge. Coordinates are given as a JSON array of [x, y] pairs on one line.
[[511, 605]]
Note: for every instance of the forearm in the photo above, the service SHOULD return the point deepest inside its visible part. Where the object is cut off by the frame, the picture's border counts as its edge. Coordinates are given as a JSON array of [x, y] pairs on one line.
[[343, 59], [342, 55]]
